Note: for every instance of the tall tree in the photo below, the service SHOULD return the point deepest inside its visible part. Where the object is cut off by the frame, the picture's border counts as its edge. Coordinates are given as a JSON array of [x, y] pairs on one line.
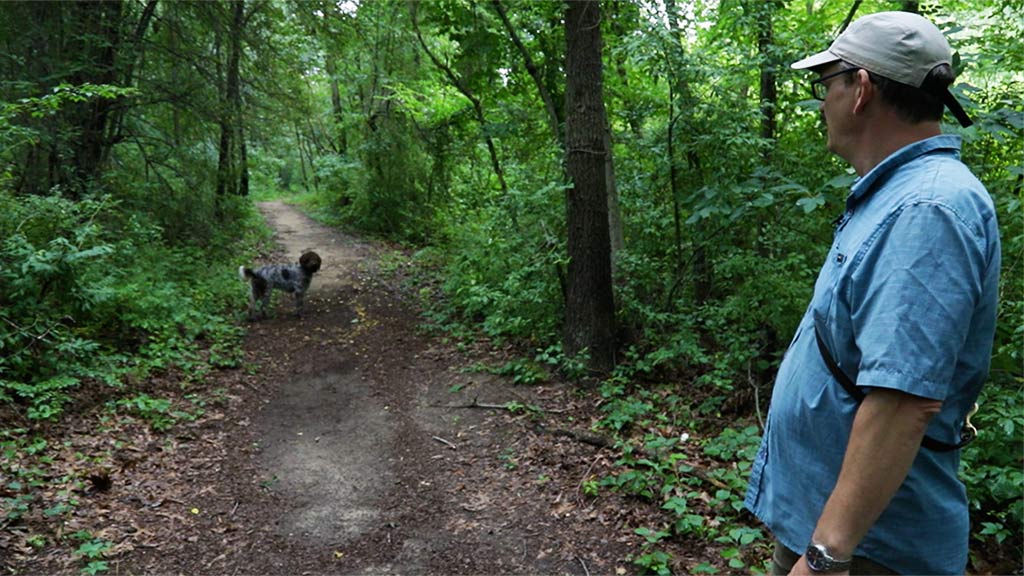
[[99, 35], [590, 306], [769, 94], [556, 128], [681, 101], [76, 43], [132, 57], [238, 22], [228, 165]]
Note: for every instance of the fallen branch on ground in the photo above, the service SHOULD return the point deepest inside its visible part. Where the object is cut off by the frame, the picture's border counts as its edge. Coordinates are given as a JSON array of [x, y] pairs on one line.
[[591, 439], [512, 406], [445, 442]]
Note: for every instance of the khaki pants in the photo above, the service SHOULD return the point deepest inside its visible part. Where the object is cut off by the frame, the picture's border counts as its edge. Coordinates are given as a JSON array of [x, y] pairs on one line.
[[783, 560]]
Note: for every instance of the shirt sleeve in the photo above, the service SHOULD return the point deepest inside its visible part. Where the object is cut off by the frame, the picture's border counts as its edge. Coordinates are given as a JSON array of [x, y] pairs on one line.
[[912, 298]]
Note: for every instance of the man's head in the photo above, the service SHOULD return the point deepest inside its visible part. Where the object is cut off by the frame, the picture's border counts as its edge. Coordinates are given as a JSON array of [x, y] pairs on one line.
[[907, 58]]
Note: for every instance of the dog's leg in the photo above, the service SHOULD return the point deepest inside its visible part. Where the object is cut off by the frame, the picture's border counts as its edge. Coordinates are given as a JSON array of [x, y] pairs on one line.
[[259, 298], [298, 303]]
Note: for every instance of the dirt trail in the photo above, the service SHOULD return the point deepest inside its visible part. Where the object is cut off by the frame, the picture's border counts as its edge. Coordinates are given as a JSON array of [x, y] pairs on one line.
[[350, 448], [324, 433]]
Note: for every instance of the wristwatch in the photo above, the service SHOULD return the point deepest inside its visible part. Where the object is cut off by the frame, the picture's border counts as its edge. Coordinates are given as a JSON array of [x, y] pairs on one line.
[[820, 560]]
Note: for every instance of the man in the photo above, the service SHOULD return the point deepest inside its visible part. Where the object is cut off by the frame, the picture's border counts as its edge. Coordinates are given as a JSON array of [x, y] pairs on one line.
[[904, 309]]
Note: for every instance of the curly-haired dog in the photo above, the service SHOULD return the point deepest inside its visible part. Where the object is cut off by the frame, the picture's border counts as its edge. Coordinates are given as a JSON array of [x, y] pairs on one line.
[[294, 278]]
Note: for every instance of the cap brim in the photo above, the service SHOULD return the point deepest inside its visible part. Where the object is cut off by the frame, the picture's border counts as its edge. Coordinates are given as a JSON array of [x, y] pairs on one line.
[[819, 59]]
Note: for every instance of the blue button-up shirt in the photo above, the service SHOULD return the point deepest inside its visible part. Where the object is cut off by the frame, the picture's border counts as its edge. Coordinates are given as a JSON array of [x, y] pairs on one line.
[[906, 300]]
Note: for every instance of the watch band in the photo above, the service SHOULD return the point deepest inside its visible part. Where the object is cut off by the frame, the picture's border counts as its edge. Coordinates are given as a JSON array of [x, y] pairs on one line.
[[820, 559]]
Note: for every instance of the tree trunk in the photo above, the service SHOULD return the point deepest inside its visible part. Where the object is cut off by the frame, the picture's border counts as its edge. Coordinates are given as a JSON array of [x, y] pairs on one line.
[[97, 39], [302, 158], [339, 114], [38, 170], [768, 102], [618, 240], [235, 95], [223, 122], [769, 96], [590, 307], [131, 56], [243, 161], [555, 127], [911, 6], [680, 98], [227, 164], [849, 16]]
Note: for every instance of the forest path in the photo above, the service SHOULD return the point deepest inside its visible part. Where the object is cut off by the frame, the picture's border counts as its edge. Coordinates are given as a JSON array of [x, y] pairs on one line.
[[353, 451]]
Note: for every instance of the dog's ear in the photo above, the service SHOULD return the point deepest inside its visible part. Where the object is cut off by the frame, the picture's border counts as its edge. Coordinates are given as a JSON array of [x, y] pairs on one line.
[[310, 262]]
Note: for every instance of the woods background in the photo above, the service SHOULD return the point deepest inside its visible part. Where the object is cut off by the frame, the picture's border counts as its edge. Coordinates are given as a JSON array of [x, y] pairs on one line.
[[642, 198]]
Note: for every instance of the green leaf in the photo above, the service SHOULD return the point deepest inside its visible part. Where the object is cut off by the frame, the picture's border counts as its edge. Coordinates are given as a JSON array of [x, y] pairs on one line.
[[676, 504], [811, 204]]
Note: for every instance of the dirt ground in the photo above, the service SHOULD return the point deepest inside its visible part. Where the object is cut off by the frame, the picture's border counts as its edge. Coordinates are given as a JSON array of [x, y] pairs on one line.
[[353, 443]]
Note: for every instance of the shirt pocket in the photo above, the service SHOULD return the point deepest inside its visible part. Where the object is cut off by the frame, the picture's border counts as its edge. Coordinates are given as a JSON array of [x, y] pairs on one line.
[[826, 290]]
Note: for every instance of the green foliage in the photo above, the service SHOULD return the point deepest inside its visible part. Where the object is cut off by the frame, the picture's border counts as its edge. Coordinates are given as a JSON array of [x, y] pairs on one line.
[[651, 560], [991, 467], [703, 503], [160, 413], [21, 120], [90, 552], [503, 281], [73, 309]]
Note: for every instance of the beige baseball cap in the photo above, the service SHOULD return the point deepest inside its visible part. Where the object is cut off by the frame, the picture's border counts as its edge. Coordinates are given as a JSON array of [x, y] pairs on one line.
[[900, 46]]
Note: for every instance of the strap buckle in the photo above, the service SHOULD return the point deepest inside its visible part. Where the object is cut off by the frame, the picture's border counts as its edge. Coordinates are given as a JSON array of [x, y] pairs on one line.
[[969, 432]]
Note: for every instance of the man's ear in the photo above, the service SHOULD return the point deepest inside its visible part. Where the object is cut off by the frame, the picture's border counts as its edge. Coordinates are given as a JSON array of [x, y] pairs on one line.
[[866, 91]]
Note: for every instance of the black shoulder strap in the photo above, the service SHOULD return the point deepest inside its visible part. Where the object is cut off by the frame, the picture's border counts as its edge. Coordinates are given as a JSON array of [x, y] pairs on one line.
[[836, 371], [967, 435]]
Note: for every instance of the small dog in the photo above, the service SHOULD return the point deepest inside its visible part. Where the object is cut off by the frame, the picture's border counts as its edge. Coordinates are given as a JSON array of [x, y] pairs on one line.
[[294, 278]]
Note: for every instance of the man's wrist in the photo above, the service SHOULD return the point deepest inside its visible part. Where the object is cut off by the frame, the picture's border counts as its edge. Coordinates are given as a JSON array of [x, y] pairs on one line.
[[820, 558]]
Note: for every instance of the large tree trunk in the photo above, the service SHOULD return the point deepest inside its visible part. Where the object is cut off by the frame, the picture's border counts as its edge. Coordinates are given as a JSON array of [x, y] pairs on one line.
[[590, 306], [227, 163], [555, 127]]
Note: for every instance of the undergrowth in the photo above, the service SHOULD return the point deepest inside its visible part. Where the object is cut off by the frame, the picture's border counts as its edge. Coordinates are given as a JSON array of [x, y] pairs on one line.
[[95, 300], [86, 294]]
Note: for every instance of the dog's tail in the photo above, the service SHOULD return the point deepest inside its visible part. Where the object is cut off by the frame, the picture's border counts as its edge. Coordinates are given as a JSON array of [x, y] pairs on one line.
[[246, 274]]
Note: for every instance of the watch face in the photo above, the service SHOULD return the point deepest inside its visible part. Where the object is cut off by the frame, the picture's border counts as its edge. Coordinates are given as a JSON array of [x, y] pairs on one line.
[[819, 560], [816, 559]]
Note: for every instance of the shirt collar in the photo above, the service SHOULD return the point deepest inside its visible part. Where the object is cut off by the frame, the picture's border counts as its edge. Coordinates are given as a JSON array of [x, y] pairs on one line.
[[864, 185]]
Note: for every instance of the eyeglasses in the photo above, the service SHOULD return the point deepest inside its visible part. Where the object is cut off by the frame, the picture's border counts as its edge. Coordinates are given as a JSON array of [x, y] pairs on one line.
[[818, 88]]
